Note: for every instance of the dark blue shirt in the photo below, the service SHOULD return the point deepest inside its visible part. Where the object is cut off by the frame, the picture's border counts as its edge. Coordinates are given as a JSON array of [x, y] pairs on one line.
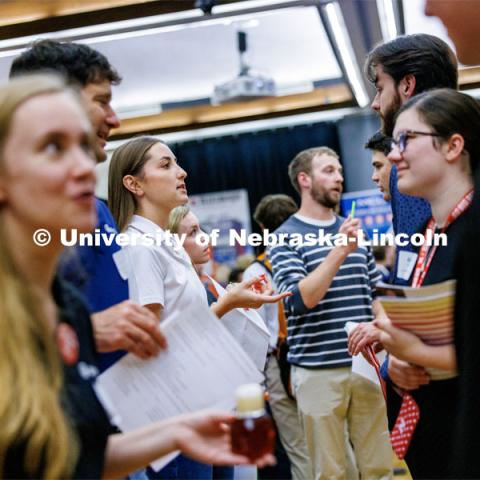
[[92, 271], [409, 215]]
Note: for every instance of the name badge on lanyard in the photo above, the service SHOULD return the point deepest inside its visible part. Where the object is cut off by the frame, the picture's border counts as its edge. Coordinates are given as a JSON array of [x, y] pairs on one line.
[[406, 264]]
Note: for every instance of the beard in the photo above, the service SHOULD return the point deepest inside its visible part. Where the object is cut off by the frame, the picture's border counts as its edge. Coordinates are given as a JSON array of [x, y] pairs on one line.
[[324, 197], [388, 117]]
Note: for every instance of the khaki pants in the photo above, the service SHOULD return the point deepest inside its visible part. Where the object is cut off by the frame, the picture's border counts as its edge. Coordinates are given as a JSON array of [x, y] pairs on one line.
[[326, 399], [286, 417]]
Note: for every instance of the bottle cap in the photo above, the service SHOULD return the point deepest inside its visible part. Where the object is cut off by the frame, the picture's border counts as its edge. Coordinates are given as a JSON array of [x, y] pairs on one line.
[[249, 398]]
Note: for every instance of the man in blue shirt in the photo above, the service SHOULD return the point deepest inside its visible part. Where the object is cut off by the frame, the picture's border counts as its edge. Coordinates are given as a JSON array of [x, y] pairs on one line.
[[399, 69], [118, 323], [380, 146]]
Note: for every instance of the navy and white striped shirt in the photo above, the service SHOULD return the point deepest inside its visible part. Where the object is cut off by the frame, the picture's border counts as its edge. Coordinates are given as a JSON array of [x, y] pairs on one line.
[[316, 336]]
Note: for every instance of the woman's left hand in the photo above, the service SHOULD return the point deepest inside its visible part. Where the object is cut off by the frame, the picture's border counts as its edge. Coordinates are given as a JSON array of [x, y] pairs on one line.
[[205, 437], [400, 343]]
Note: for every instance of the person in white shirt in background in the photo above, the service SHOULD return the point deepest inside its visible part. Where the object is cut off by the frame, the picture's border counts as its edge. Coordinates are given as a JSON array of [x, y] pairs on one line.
[[183, 221], [145, 183]]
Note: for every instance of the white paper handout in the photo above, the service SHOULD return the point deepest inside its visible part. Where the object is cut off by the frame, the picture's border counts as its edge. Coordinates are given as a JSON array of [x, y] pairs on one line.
[[359, 365], [201, 368], [248, 328]]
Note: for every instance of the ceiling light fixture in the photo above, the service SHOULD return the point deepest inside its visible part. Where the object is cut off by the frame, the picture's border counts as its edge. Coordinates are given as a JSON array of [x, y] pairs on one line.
[[386, 16], [341, 37]]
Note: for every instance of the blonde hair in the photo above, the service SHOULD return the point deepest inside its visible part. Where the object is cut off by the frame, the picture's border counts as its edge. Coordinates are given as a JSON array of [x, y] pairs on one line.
[[31, 373], [176, 216], [128, 159]]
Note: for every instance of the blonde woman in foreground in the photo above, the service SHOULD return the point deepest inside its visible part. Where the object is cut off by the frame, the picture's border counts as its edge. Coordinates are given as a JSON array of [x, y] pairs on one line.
[[53, 425]]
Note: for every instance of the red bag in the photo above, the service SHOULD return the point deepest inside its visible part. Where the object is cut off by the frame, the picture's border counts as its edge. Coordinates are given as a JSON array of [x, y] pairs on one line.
[[405, 425]]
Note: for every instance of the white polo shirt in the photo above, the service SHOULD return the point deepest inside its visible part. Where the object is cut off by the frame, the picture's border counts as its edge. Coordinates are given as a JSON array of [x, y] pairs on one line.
[[158, 273]]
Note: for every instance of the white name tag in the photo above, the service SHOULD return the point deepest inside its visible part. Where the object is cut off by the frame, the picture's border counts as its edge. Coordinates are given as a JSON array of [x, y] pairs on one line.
[[406, 264]]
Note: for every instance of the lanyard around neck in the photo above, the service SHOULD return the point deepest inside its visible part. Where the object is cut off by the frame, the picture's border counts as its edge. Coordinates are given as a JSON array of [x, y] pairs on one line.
[[426, 253]]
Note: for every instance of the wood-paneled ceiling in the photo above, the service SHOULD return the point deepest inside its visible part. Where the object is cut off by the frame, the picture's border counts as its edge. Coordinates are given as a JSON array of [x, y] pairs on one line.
[[180, 67], [29, 17]]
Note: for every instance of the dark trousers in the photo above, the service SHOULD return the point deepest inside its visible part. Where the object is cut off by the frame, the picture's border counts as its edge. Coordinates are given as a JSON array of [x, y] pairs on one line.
[[430, 454]]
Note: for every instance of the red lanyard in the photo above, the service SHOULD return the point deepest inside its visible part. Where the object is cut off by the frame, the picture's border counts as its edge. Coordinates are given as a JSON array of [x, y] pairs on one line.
[[374, 361], [426, 253]]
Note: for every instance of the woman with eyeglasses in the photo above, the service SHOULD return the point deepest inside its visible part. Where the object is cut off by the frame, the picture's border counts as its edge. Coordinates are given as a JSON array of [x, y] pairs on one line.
[[436, 148]]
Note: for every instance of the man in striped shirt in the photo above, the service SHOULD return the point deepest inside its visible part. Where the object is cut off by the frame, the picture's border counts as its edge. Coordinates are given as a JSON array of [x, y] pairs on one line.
[[332, 282]]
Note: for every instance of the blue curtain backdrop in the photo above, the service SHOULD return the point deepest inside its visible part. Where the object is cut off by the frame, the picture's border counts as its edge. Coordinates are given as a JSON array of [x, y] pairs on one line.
[[256, 161]]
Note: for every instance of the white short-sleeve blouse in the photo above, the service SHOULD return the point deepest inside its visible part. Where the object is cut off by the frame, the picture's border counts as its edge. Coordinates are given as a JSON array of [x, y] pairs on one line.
[[158, 273]]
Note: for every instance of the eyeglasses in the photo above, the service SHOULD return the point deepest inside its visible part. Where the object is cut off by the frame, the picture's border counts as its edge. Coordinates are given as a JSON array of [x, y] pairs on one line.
[[402, 139]]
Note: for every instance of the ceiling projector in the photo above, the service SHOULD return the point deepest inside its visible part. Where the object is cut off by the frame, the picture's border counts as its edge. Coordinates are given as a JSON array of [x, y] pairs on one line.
[[248, 85], [244, 87]]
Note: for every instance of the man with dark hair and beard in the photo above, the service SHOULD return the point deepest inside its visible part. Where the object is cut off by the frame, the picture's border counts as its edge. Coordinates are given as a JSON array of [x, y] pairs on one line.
[[400, 69], [406, 66], [332, 282]]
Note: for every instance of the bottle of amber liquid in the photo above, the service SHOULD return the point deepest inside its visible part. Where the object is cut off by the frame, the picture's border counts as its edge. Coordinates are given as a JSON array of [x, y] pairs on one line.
[[253, 434]]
